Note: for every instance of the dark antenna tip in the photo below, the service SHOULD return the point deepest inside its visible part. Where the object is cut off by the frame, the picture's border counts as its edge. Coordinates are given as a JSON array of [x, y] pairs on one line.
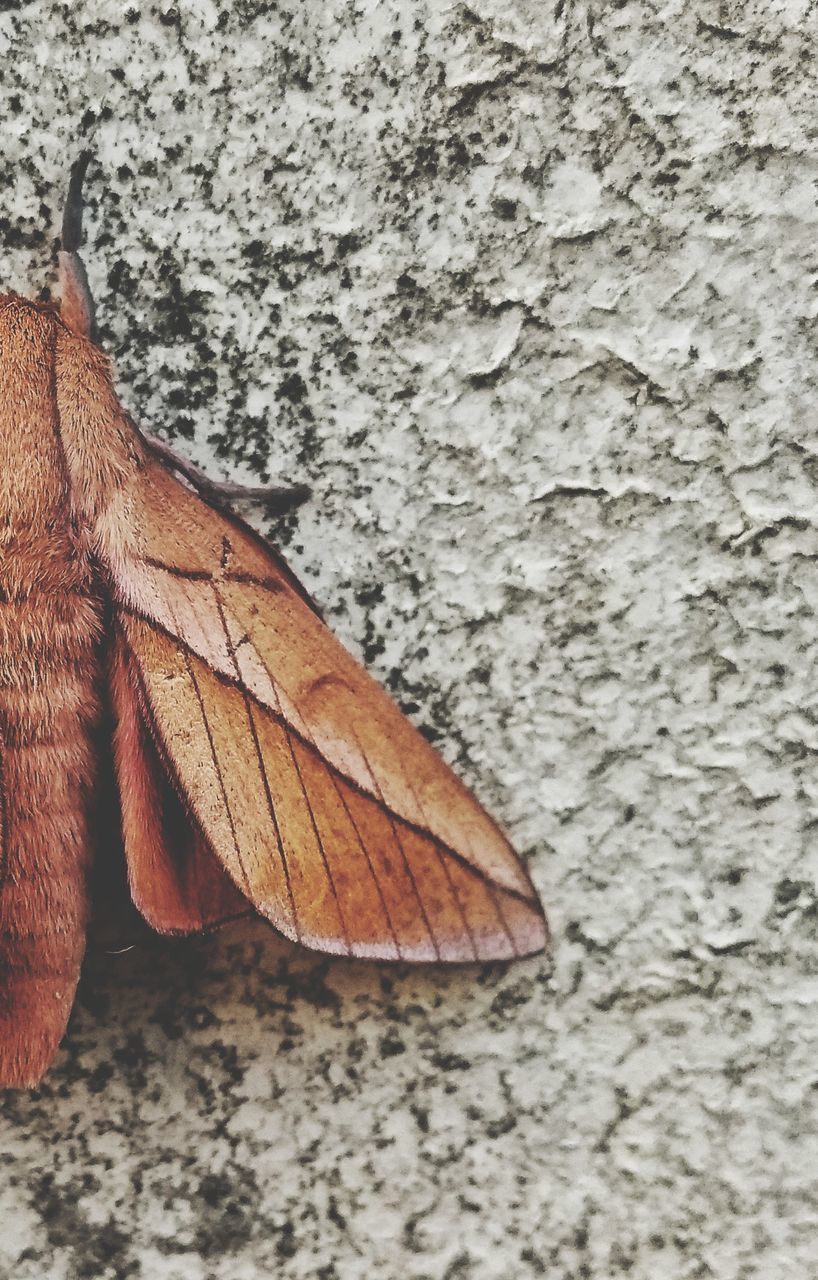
[[71, 238]]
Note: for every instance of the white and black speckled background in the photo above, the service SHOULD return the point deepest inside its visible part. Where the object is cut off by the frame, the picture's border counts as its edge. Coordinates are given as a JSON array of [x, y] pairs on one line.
[[527, 291]]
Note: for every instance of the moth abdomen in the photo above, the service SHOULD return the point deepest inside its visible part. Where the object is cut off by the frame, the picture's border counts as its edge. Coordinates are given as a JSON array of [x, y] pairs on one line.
[[47, 768]]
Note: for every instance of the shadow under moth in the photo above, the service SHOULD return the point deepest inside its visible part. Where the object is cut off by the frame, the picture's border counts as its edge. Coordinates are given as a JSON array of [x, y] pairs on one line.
[[257, 767]]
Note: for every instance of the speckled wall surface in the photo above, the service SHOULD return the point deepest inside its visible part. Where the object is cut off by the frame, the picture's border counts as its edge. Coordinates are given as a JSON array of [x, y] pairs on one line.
[[526, 291]]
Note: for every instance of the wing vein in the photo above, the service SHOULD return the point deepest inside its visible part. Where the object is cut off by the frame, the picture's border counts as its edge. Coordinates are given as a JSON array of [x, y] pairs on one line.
[[262, 767], [442, 860], [330, 878], [498, 907], [529, 898], [205, 575], [452, 886], [332, 772], [375, 877], [219, 774], [392, 822]]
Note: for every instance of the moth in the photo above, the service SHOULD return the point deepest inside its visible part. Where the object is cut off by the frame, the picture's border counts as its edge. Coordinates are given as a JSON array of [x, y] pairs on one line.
[[257, 766]]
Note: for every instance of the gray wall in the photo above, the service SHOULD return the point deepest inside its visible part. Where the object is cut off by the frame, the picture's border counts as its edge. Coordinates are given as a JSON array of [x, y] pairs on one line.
[[526, 291]]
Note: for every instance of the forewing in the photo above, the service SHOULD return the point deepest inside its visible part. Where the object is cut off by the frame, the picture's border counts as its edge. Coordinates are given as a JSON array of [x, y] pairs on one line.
[[329, 811]]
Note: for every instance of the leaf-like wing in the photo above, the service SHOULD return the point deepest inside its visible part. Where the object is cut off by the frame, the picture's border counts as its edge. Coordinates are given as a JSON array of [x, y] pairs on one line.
[[331, 814]]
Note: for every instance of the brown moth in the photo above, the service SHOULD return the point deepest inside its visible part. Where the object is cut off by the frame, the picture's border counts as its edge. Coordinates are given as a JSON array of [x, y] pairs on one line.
[[258, 767]]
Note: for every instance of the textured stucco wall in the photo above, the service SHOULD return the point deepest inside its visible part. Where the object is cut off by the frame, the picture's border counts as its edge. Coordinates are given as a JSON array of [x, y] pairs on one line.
[[526, 290]]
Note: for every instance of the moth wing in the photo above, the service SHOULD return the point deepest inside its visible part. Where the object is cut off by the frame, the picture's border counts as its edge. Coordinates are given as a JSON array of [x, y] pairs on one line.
[[331, 814]]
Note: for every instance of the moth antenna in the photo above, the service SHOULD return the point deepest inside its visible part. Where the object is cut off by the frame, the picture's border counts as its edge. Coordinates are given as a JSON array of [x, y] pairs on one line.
[[76, 302], [72, 214]]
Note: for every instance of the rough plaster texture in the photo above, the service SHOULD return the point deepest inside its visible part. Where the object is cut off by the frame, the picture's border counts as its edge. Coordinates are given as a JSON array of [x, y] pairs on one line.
[[526, 290]]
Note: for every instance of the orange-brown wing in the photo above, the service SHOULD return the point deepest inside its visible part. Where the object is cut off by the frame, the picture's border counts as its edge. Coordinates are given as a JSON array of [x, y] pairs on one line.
[[329, 811]]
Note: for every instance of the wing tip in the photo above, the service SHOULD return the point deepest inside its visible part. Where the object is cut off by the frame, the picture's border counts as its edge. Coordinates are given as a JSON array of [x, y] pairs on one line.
[[536, 938], [526, 925]]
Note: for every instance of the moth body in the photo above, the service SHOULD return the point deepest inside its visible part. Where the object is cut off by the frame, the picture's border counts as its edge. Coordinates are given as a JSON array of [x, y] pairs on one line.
[[50, 628]]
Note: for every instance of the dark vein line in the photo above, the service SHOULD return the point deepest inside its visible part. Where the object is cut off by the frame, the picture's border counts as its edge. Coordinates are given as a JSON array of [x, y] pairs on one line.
[[437, 849], [487, 882], [229, 518], [287, 732], [216, 762], [167, 762], [393, 820], [441, 859], [262, 767], [219, 775], [147, 717], [206, 575], [498, 907], [332, 772], [457, 902], [330, 877], [296, 766], [375, 877], [271, 804], [452, 887], [530, 899]]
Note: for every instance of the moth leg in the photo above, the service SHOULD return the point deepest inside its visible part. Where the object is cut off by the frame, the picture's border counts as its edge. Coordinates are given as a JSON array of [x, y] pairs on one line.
[[76, 303], [278, 498]]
